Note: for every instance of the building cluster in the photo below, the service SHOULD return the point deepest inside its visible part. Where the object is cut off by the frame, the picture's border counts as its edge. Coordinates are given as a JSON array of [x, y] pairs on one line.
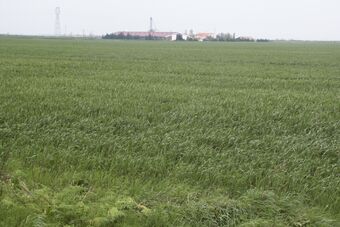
[[152, 34], [172, 36]]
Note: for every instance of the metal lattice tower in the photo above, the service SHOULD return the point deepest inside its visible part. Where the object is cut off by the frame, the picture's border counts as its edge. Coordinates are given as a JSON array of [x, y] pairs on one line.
[[151, 25], [57, 26]]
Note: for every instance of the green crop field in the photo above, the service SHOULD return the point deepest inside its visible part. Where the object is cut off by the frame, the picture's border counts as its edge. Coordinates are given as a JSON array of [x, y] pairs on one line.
[[127, 133]]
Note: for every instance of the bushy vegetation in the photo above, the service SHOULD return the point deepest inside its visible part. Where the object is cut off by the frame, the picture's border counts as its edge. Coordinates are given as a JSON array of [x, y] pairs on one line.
[[122, 36], [114, 133]]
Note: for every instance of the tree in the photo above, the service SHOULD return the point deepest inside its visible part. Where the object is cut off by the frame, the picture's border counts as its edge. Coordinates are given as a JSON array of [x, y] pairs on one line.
[[179, 37]]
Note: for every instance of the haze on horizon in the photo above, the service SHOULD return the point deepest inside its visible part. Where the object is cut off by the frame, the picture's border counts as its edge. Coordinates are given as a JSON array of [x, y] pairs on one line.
[[273, 19]]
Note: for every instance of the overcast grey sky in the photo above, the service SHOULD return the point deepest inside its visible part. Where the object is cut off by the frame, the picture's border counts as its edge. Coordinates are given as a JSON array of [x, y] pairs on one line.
[[288, 19]]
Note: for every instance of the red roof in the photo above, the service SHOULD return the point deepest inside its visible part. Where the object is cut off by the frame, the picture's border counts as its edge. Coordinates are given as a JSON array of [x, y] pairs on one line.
[[204, 34]]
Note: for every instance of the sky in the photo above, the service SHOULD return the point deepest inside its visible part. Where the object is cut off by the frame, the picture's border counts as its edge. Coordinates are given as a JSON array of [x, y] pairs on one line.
[[272, 19]]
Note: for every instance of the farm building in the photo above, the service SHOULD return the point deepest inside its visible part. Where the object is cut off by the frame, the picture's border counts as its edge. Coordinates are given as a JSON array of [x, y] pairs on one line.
[[202, 36]]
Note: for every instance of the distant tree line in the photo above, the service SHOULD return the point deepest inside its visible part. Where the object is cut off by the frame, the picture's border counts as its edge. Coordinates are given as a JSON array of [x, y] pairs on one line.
[[263, 40], [228, 37], [225, 37], [129, 37]]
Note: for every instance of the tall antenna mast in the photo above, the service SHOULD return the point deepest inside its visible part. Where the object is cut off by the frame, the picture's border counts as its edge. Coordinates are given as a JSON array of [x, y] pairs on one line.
[[151, 25], [57, 27]]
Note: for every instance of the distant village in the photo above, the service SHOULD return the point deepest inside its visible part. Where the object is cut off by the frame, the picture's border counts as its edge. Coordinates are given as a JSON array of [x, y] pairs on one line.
[[177, 36], [152, 34]]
